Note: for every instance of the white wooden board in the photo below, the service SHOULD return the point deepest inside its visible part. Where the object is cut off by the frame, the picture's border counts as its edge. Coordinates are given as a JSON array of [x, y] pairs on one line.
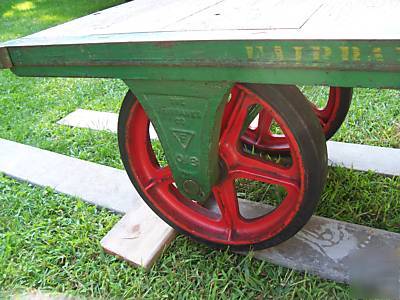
[[351, 17], [324, 247], [96, 184], [353, 156], [176, 20], [84, 118], [139, 237], [246, 15], [329, 248], [96, 120]]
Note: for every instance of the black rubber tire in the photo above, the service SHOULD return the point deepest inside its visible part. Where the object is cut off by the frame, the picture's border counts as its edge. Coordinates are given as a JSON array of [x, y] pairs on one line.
[[346, 95], [298, 115]]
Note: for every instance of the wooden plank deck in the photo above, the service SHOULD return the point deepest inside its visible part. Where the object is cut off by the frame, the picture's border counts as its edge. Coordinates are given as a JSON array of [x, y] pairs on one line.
[[166, 20], [311, 42]]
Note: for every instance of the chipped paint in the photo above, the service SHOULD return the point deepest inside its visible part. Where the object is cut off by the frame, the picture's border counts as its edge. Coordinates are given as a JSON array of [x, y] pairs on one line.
[[5, 60]]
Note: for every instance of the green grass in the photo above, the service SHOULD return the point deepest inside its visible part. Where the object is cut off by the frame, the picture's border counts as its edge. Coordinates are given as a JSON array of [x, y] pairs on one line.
[[50, 242], [374, 117]]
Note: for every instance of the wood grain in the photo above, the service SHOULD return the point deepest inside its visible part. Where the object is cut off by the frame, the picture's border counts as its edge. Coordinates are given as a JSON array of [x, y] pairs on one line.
[[174, 20], [139, 237]]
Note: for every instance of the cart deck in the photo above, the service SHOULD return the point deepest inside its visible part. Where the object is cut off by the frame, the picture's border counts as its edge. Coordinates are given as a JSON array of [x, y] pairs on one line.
[[278, 41], [201, 71]]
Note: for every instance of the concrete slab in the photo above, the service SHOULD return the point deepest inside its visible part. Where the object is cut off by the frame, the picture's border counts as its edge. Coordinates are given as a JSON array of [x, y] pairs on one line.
[[324, 247], [381, 160]]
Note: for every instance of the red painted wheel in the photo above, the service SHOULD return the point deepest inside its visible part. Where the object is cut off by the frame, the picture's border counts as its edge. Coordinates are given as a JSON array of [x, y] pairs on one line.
[[331, 117], [226, 223]]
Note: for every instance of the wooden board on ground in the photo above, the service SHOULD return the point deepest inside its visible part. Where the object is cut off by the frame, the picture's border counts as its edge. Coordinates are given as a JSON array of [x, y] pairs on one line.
[[324, 247], [139, 237], [96, 120], [100, 185], [84, 118], [348, 155]]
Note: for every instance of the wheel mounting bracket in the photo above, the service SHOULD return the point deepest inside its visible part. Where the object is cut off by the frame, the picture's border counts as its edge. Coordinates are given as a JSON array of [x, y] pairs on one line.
[[187, 117]]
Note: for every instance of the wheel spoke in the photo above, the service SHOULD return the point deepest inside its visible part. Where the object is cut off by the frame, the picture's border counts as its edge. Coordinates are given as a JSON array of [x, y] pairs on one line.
[[330, 117], [225, 195], [238, 114], [264, 126], [265, 171], [161, 176], [325, 113]]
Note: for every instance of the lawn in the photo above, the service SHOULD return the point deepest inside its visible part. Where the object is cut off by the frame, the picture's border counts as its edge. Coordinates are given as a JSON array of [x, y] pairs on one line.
[[50, 242]]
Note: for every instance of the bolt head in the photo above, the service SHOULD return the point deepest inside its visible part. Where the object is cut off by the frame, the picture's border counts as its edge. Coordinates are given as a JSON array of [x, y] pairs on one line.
[[191, 187]]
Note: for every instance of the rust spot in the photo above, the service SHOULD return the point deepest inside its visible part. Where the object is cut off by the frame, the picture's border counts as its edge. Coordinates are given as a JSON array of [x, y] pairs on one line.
[[136, 228], [166, 44]]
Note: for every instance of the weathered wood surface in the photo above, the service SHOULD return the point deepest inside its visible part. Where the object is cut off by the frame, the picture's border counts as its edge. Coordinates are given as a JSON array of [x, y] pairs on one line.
[[139, 237], [100, 185], [324, 247], [165, 20], [84, 118], [239, 41]]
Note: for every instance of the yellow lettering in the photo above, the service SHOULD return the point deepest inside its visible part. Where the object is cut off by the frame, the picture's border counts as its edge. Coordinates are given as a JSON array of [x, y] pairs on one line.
[[316, 53], [298, 54], [345, 53], [250, 52], [355, 53], [259, 53], [377, 54], [278, 52], [327, 53]]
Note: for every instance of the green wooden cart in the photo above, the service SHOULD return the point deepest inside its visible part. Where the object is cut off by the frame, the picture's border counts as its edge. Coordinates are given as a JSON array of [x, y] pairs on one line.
[[217, 79]]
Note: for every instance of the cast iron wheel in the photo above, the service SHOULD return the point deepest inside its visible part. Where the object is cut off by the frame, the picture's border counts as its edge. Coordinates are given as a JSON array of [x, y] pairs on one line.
[[330, 117], [225, 224]]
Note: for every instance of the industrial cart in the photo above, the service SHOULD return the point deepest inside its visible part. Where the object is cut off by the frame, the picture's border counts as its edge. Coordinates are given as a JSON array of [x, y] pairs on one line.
[[218, 81]]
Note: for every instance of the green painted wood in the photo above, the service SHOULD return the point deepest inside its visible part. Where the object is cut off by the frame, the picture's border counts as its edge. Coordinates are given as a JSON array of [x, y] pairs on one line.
[[372, 79], [322, 54], [187, 117], [345, 63]]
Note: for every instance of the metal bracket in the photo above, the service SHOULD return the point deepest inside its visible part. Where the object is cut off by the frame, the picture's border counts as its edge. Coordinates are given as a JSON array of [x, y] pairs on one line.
[[5, 60], [187, 117]]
